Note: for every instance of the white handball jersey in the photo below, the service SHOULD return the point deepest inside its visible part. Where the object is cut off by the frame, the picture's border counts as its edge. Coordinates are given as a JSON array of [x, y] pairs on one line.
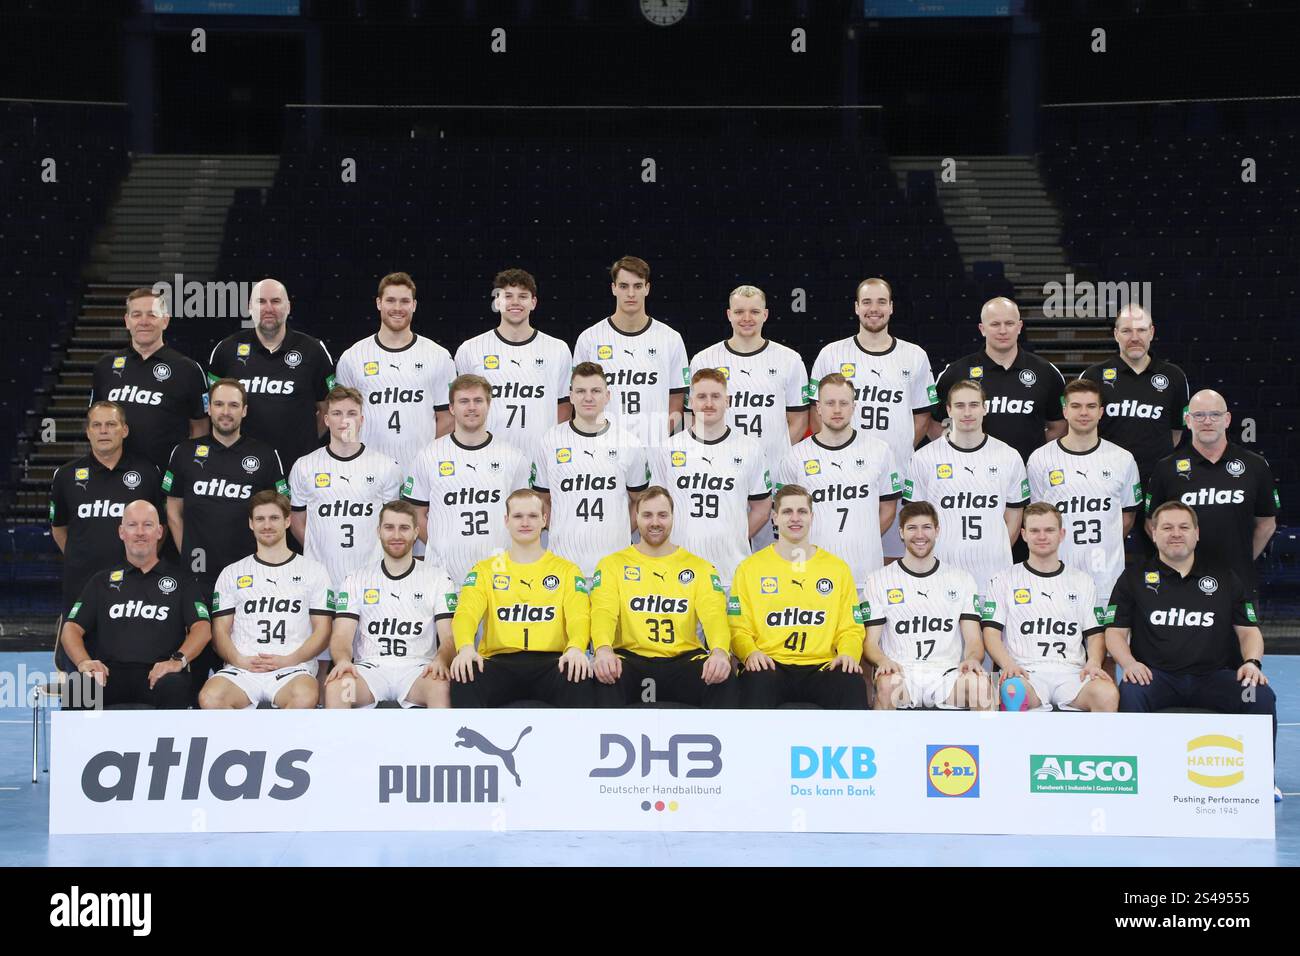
[[1045, 619], [465, 489], [641, 369], [396, 616], [762, 386], [1091, 490], [529, 380], [891, 386], [847, 485], [403, 388], [272, 603], [589, 477], [922, 613], [712, 484], [342, 498], [971, 489]]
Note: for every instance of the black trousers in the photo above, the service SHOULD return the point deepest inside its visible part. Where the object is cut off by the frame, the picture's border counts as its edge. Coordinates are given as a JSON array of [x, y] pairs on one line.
[[128, 684], [522, 675], [650, 680], [1218, 690], [802, 683]]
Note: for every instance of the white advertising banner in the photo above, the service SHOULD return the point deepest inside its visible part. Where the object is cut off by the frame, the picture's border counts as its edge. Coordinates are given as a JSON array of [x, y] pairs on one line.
[[1202, 775]]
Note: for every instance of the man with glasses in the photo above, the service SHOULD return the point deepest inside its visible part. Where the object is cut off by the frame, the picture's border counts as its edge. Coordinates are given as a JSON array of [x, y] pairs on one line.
[[1233, 490]]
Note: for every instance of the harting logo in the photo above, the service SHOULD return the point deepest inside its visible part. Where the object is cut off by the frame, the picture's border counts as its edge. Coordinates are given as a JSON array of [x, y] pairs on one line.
[[452, 783], [1215, 760]]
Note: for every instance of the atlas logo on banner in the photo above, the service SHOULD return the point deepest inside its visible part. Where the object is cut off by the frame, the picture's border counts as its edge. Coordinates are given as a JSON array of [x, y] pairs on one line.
[[1076, 773], [952, 770], [1215, 760], [294, 780], [702, 749], [453, 783]]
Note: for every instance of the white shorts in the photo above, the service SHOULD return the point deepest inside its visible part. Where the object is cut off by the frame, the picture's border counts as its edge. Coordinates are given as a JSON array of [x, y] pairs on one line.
[[929, 686], [1057, 685], [891, 545], [391, 679], [261, 687]]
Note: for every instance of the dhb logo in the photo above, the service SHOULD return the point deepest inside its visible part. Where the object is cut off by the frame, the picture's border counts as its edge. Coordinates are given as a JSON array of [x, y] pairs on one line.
[[703, 749]]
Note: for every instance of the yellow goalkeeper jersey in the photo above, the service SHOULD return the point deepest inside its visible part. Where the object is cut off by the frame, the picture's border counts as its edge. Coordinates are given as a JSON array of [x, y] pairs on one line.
[[650, 606], [542, 606], [795, 612]]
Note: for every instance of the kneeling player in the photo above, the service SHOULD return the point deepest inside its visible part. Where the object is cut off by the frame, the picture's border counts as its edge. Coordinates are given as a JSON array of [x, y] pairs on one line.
[[795, 618], [1045, 613], [645, 602], [395, 615], [536, 622], [270, 618], [923, 632]]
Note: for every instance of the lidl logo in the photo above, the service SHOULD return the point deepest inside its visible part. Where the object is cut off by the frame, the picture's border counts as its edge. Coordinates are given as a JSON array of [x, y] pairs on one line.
[[119, 362], [812, 467], [115, 576], [323, 479], [1023, 596], [563, 455], [1215, 760], [244, 581], [952, 770], [894, 596], [943, 471], [83, 474], [371, 368], [1109, 374], [371, 596], [500, 582], [630, 573], [767, 586], [977, 371], [244, 350], [605, 352], [201, 451], [726, 371], [848, 369], [1183, 465], [1056, 477], [678, 459], [1081, 773], [491, 361], [446, 468], [1152, 577]]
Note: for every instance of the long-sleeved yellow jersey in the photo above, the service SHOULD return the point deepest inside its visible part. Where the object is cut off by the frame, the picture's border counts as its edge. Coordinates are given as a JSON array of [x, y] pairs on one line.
[[542, 606], [795, 612], [650, 606]]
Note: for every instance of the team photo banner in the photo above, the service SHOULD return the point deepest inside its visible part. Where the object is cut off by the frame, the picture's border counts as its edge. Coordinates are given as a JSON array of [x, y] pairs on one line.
[[1181, 775]]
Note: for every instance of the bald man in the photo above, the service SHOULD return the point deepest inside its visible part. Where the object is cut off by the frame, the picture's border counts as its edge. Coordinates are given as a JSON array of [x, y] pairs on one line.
[[1232, 489], [287, 375], [1144, 396], [1023, 404], [136, 626]]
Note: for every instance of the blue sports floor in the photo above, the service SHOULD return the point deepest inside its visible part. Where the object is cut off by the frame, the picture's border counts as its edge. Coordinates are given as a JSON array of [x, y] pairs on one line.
[[25, 842]]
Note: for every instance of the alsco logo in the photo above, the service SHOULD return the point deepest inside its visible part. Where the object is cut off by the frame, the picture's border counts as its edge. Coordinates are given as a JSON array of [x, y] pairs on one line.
[[952, 770], [1082, 773]]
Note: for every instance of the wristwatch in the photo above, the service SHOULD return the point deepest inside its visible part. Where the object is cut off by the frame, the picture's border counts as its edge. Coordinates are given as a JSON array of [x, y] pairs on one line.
[[184, 661], [1256, 661]]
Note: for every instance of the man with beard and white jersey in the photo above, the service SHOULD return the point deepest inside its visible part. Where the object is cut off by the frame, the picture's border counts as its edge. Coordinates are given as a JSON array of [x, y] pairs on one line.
[[402, 376], [895, 387], [923, 626], [392, 624], [1093, 483], [852, 478], [767, 381], [1043, 623], [286, 373], [527, 369], [720, 486], [336, 491], [1023, 390], [589, 470], [977, 484], [644, 360], [458, 483], [271, 615]]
